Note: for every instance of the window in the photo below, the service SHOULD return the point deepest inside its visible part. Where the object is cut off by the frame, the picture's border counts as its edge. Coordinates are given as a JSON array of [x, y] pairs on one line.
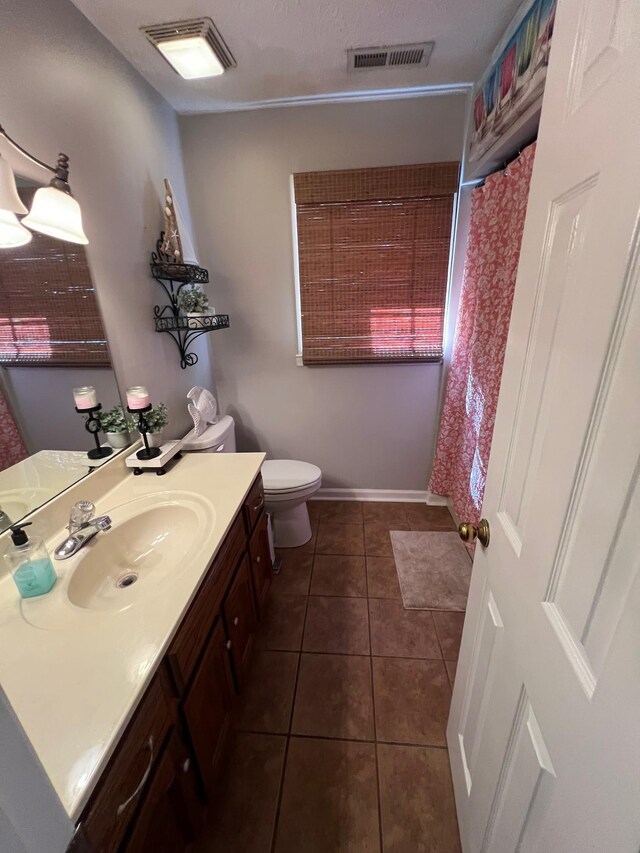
[[48, 308], [373, 262]]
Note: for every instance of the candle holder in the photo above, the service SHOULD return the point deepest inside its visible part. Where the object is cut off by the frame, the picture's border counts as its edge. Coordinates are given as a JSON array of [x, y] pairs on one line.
[[143, 428], [94, 426]]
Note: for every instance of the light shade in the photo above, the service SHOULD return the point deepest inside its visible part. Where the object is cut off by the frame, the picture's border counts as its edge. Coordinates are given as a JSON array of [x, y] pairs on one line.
[[57, 214], [11, 231], [191, 57], [9, 198]]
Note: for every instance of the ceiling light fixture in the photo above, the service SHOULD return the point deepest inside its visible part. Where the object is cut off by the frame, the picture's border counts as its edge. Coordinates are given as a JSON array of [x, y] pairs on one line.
[[54, 210], [194, 49]]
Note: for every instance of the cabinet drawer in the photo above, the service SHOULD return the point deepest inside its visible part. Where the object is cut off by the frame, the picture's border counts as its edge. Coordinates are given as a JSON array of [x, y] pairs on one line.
[[126, 779], [254, 504], [190, 639], [240, 618]]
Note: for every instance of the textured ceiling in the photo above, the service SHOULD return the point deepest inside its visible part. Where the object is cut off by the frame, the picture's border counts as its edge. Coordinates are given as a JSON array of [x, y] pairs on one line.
[[288, 49]]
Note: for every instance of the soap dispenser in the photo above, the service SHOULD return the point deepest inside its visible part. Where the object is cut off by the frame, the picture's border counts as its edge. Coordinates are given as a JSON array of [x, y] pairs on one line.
[[30, 563]]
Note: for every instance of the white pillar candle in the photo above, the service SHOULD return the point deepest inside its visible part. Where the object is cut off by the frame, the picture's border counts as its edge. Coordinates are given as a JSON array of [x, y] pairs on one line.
[[85, 397], [137, 397]]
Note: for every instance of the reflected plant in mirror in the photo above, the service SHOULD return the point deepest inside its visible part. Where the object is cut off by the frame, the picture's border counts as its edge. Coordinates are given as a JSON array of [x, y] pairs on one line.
[[117, 426], [52, 340]]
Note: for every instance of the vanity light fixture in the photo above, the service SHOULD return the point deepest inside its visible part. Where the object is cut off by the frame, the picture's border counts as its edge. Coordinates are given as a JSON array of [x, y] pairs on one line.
[[54, 211], [194, 48]]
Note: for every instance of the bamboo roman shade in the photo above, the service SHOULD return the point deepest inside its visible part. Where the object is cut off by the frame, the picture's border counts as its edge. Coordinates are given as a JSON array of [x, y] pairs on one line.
[[373, 254], [48, 308]]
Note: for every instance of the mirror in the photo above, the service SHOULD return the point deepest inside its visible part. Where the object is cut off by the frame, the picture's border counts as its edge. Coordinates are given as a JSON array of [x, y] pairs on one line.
[[52, 341]]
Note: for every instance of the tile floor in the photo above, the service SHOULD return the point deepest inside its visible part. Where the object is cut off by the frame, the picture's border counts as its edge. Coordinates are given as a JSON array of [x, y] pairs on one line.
[[339, 738]]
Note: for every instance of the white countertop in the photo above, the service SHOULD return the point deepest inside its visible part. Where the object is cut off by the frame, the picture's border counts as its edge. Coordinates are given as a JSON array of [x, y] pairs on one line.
[[74, 676]]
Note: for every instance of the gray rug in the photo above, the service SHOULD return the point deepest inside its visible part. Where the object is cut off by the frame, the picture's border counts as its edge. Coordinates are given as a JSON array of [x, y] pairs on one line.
[[434, 570]]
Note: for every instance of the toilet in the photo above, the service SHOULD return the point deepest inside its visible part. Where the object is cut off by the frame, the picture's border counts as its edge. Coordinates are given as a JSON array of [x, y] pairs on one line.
[[288, 484]]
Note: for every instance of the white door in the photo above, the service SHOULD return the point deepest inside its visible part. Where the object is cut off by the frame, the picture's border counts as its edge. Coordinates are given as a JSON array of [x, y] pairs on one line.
[[544, 732]]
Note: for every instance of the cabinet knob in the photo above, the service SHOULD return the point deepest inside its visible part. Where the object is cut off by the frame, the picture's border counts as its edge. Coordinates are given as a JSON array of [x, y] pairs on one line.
[[236, 620], [227, 645], [257, 559], [186, 764]]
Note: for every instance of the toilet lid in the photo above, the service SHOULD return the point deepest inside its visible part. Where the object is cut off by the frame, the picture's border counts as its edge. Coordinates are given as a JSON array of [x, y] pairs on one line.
[[280, 475], [213, 435]]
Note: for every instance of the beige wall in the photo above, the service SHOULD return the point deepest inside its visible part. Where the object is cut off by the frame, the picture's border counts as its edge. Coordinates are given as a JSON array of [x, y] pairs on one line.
[[65, 88], [42, 402], [365, 426]]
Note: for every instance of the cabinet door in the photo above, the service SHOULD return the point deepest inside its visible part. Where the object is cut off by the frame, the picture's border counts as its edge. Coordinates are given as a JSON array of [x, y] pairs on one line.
[[240, 618], [207, 706], [253, 505], [163, 822], [260, 562]]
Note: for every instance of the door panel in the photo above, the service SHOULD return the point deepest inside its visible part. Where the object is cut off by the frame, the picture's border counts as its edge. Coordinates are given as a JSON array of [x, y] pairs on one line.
[[555, 289], [485, 656], [524, 785], [544, 735]]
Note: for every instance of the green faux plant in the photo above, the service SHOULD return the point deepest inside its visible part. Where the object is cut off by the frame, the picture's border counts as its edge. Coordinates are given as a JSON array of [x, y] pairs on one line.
[[157, 418], [115, 420], [192, 300]]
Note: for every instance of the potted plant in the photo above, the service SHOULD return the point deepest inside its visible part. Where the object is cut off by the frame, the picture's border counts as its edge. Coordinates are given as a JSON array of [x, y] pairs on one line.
[[194, 302], [117, 426], [156, 419]]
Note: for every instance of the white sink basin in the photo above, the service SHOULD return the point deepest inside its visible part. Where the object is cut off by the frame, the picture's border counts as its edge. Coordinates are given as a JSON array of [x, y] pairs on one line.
[[151, 541]]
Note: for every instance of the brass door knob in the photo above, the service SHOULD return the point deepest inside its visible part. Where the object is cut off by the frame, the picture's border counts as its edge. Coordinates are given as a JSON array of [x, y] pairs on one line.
[[470, 532]]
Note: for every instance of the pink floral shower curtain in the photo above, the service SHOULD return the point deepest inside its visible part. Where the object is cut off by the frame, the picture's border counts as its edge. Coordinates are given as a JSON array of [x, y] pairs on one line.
[[466, 425], [12, 447]]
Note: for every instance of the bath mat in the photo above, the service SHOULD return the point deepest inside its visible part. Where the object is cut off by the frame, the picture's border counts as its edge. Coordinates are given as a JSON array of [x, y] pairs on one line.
[[434, 570]]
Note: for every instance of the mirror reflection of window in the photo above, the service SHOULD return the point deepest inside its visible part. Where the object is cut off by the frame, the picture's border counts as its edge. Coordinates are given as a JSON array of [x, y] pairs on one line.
[[52, 339], [48, 308]]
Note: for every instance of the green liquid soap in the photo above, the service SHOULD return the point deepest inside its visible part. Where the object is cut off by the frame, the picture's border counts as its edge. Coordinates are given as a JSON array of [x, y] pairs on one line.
[[35, 577]]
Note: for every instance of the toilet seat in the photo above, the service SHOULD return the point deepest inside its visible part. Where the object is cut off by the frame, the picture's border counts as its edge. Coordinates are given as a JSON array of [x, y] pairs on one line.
[[288, 477]]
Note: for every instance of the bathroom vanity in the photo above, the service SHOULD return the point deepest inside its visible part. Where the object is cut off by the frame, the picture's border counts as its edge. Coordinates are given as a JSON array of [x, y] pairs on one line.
[[167, 759], [149, 684]]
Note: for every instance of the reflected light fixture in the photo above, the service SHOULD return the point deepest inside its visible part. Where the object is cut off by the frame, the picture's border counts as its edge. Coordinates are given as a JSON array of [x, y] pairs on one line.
[[12, 233], [54, 211], [194, 48]]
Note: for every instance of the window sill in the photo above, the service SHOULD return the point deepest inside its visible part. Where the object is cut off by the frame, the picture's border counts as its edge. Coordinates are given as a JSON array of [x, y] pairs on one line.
[[438, 362]]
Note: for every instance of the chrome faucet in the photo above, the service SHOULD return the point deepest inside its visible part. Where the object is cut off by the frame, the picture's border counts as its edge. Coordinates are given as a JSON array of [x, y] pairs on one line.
[[82, 527]]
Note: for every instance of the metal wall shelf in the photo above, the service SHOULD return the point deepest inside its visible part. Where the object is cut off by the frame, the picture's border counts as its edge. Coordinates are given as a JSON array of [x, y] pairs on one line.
[[172, 278], [204, 323]]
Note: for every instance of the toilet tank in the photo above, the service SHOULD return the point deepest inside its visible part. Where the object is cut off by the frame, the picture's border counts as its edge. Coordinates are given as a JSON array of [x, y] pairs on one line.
[[217, 438]]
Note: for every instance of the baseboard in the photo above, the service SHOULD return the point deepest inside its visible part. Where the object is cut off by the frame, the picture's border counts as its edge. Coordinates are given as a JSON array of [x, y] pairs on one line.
[[454, 516], [391, 495]]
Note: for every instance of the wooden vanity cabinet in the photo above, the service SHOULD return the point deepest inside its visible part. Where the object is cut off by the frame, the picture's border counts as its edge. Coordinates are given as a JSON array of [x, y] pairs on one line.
[[261, 568], [253, 507], [240, 619], [191, 637], [126, 780], [207, 706], [167, 821], [151, 795]]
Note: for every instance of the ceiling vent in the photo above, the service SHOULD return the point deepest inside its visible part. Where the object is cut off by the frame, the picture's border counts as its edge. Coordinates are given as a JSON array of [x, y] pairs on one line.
[[198, 28], [392, 56]]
